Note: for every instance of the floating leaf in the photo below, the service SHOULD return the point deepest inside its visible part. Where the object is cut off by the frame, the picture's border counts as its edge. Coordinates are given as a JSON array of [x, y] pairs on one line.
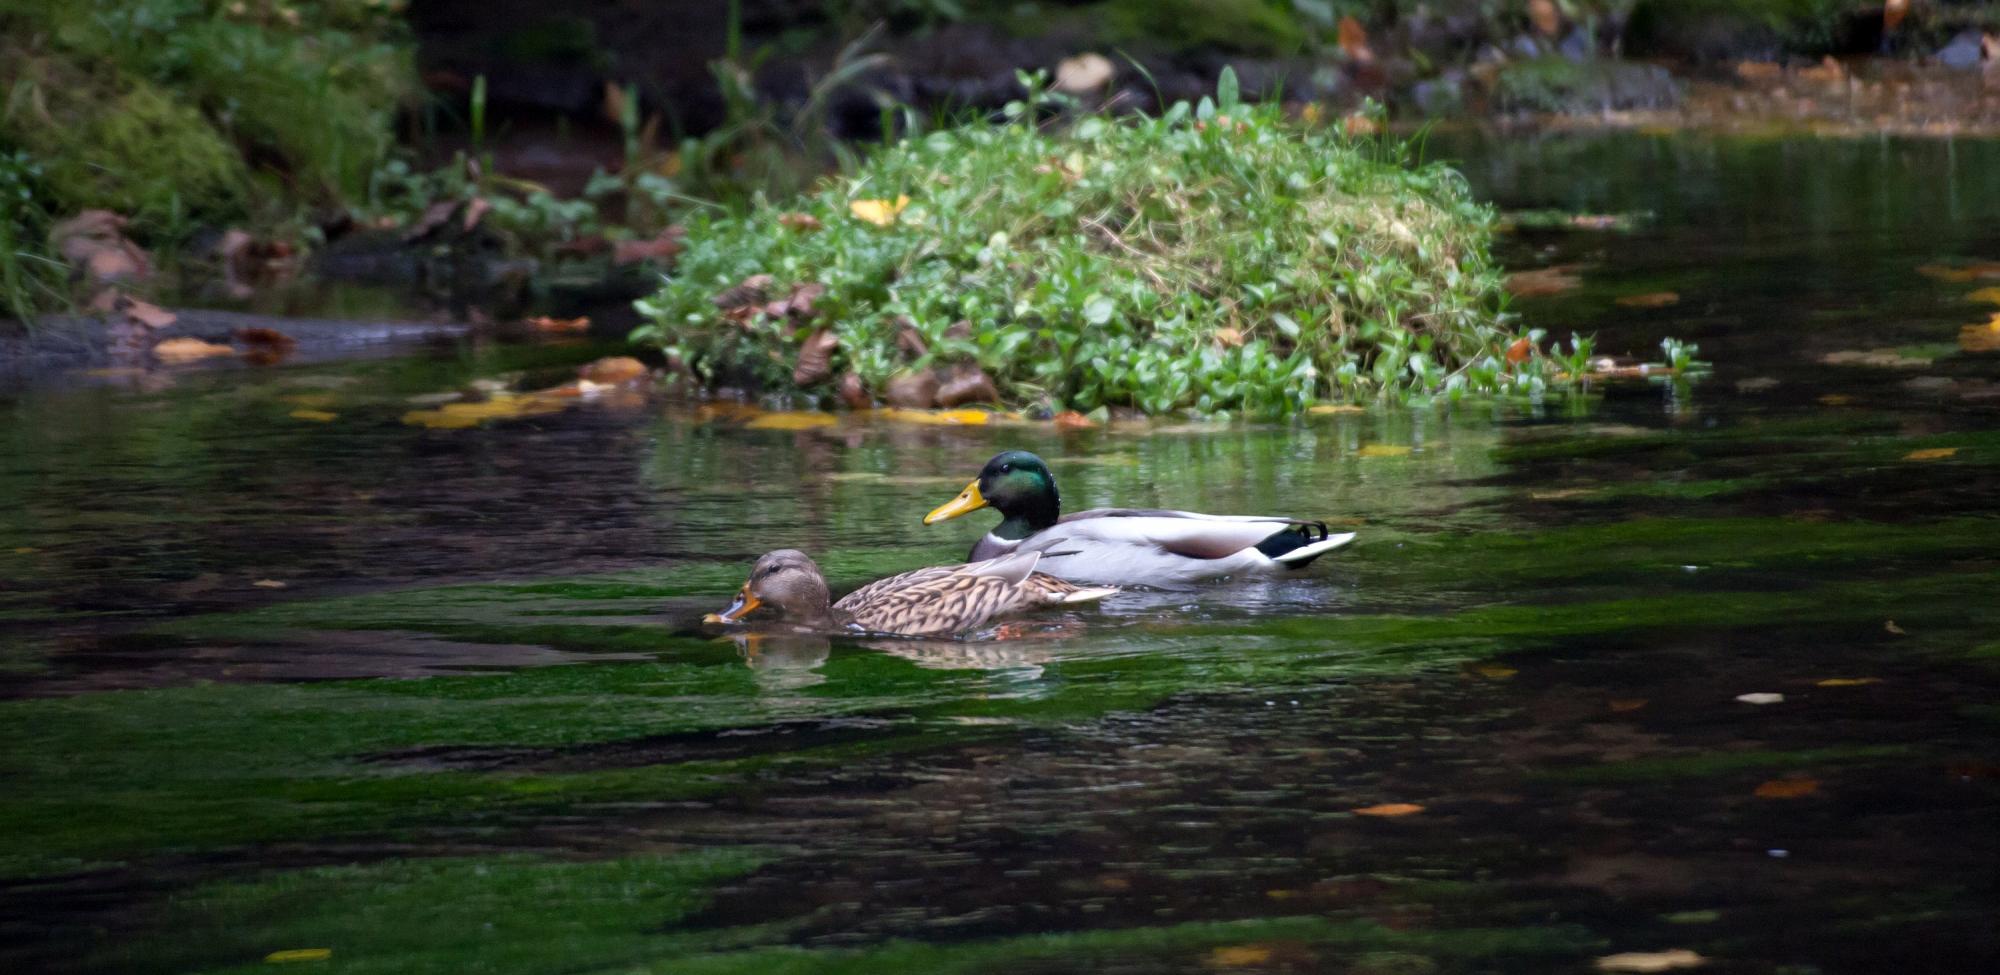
[[1390, 810], [1072, 420], [1961, 273], [1650, 961], [1323, 409], [971, 418], [881, 213], [181, 350], [299, 954], [1835, 399], [268, 584], [1787, 788], [1884, 358], [1494, 671], [1848, 681], [1384, 450], [460, 416], [1238, 956], [1657, 299], [1981, 338], [543, 323], [1931, 453], [1761, 697], [1990, 296], [1889, 626], [1626, 704], [791, 421], [316, 416], [1544, 281]]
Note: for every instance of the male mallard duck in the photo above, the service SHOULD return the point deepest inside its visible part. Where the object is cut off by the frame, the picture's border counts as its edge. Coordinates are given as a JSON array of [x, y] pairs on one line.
[[926, 602], [1126, 546]]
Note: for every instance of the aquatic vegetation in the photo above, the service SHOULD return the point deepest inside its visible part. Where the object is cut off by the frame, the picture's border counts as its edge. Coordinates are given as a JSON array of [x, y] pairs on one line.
[[1218, 258]]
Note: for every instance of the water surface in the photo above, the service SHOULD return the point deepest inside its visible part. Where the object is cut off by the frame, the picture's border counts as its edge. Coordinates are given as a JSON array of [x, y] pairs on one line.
[[439, 700]]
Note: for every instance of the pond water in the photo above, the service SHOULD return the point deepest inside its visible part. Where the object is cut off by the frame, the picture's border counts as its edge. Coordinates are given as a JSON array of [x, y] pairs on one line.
[[283, 673]]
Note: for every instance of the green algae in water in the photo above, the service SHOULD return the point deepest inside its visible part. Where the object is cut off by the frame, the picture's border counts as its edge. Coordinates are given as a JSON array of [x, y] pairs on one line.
[[508, 913]]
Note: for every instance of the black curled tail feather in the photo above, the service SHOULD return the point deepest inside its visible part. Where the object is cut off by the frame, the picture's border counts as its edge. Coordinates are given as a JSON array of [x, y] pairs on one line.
[[1292, 537]]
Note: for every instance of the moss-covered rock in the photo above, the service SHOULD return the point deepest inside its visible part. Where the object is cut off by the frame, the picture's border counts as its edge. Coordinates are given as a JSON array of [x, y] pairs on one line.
[[1213, 259]]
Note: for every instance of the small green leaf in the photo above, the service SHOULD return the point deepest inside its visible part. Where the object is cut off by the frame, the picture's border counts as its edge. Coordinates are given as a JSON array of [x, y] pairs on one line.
[[1225, 87], [1098, 310]]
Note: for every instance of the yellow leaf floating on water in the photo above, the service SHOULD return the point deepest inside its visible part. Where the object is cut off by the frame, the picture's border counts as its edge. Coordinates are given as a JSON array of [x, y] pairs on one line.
[[881, 213], [1657, 299], [1238, 956], [316, 416], [1836, 399], [970, 418], [1981, 338], [299, 954], [1959, 274], [268, 584], [1385, 450], [1326, 408], [1931, 453], [1848, 681], [791, 421], [459, 416], [1650, 961], [1787, 788], [1390, 810], [1494, 671], [1989, 295]]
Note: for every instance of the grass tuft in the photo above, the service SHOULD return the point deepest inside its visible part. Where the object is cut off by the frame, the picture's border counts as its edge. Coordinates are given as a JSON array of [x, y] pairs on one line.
[[1218, 258]]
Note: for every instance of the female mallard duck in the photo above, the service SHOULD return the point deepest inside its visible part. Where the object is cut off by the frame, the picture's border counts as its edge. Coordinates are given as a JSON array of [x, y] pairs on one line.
[[939, 600], [1126, 546]]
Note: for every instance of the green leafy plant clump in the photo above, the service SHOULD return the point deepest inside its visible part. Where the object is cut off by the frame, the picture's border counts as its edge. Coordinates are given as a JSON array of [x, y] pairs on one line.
[[1217, 258]]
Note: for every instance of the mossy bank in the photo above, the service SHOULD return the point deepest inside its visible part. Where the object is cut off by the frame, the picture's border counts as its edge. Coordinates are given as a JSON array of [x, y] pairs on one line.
[[1218, 258]]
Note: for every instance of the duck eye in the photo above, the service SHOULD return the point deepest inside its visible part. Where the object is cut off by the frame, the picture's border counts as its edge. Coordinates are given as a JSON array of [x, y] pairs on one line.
[[1006, 468]]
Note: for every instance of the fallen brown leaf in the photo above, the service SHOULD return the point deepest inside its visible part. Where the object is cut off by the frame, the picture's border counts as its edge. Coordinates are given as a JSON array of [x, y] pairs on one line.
[[1238, 956], [612, 370], [1520, 350], [1931, 453], [815, 362], [1657, 299], [146, 313], [913, 389], [315, 416], [1650, 961], [543, 323], [1981, 338], [1626, 704], [1084, 73], [1354, 40], [749, 293], [1072, 420], [1847, 682], [1229, 337], [1543, 281], [853, 392], [1390, 810], [182, 350], [661, 249], [802, 222], [967, 383], [268, 584], [1787, 788], [1546, 19], [94, 241]]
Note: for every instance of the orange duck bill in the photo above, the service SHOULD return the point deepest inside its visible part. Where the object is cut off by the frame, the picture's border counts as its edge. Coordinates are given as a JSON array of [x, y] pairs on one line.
[[745, 602]]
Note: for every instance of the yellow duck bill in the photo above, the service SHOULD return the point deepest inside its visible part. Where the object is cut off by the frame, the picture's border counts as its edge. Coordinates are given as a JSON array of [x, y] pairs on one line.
[[968, 501], [737, 610]]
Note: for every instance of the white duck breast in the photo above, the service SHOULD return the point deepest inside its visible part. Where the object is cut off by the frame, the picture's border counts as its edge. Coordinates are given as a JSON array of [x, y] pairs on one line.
[[1162, 548]]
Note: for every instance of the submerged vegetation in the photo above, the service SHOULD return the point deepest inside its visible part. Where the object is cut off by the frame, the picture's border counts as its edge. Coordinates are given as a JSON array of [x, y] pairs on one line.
[[1219, 257]]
